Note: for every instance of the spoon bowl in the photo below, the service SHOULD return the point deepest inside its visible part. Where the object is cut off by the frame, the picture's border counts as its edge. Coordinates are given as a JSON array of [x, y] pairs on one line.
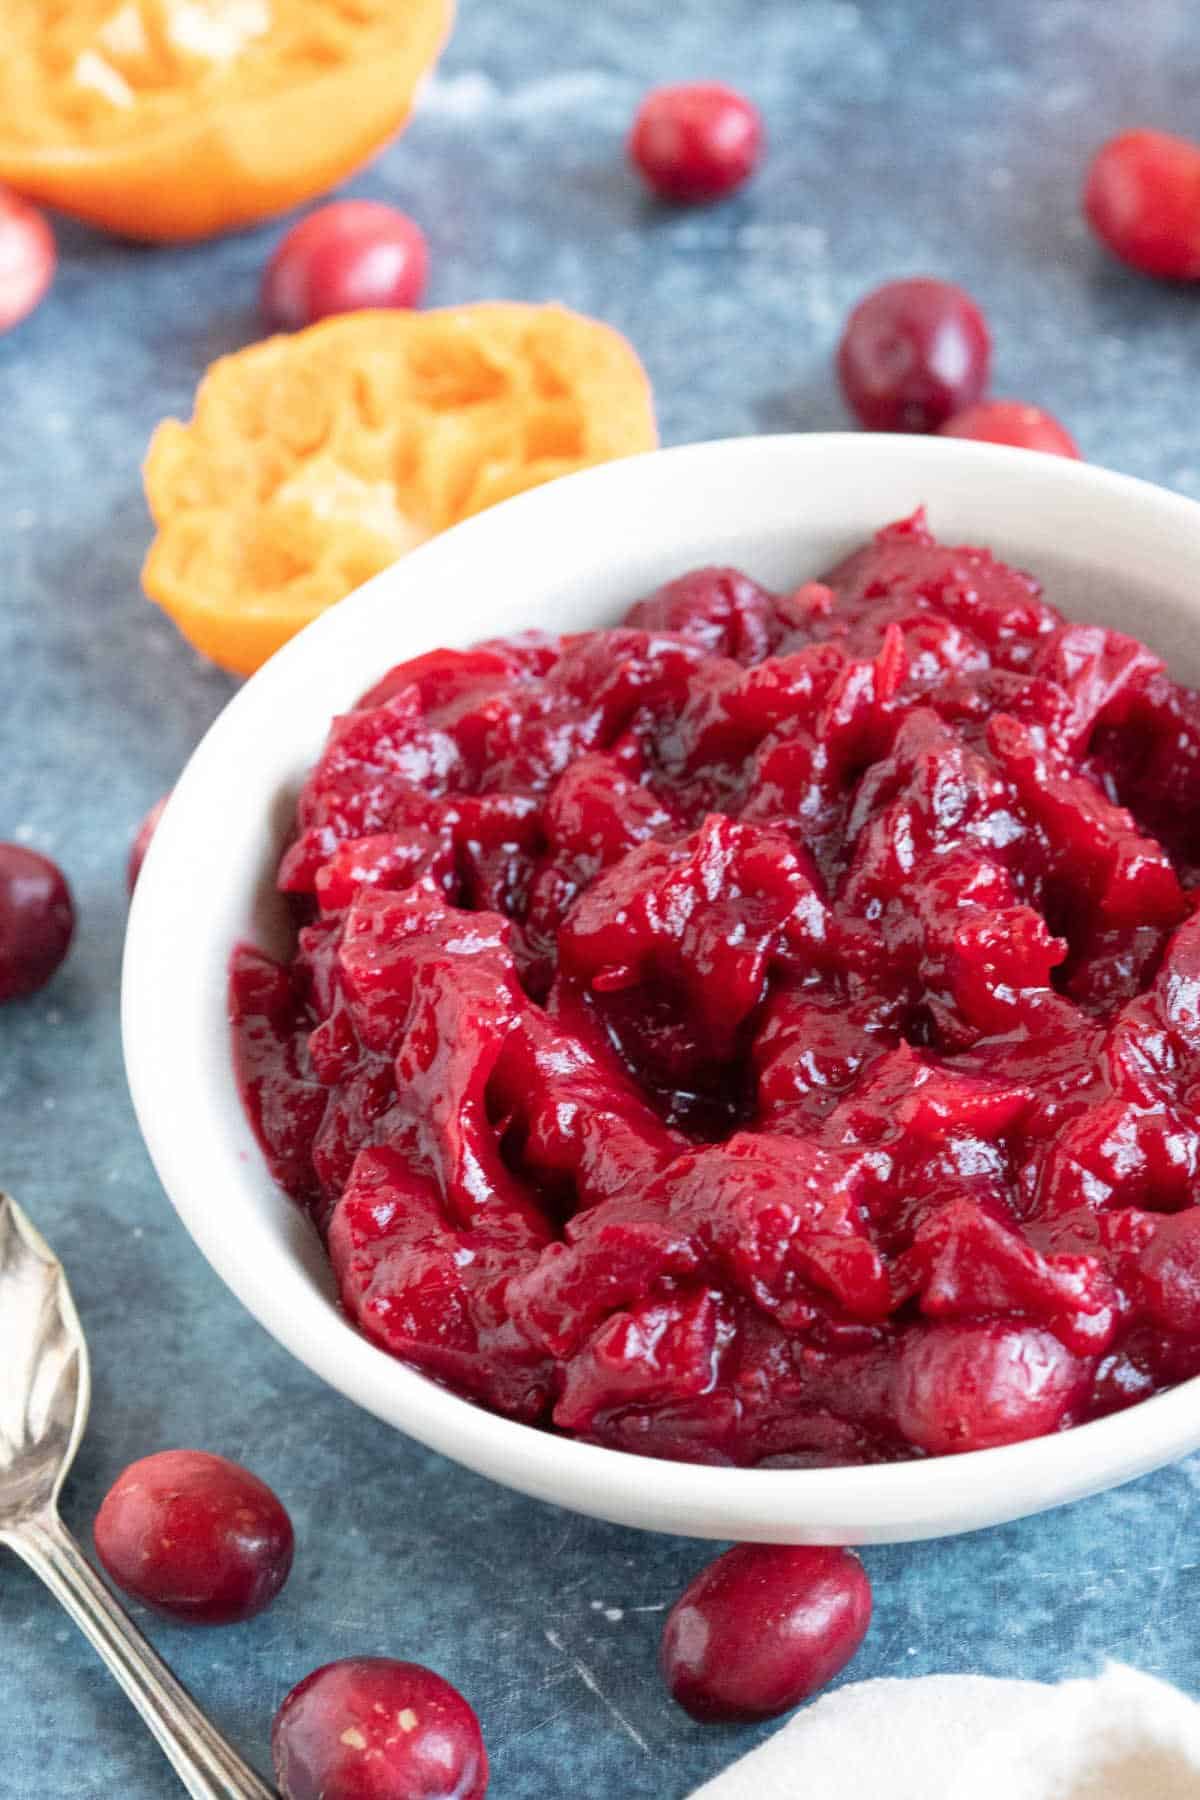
[[44, 1401], [45, 1397]]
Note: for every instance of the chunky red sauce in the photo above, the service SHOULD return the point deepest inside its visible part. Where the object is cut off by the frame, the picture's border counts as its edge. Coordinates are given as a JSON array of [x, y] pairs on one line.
[[766, 1032]]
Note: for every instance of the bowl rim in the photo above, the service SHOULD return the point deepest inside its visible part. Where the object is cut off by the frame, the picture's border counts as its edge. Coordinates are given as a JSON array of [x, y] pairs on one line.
[[879, 1502]]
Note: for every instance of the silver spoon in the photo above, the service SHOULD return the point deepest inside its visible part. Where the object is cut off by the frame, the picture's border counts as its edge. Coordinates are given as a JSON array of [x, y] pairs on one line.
[[44, 1392]]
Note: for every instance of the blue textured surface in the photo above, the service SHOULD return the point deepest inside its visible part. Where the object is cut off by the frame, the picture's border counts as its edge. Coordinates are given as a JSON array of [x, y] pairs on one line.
[[910, 136]]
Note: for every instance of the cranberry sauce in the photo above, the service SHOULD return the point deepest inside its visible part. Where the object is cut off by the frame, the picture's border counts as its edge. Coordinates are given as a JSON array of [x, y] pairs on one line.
[[767, 1032]]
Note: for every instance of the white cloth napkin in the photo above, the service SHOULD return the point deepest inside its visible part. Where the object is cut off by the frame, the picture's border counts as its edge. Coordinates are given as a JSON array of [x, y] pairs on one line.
[[1121, 1736]]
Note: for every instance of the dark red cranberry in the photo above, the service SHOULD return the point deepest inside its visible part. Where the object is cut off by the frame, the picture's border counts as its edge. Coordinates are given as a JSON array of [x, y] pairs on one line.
[[912, 355], [1012, 422], [28, 258], [696, 141], [347, 256], [195, 1536], [974, 1385], [372, 1729], [1170, 1273], [1142, 199], [762, 1628], [141, 842], [37, 920]]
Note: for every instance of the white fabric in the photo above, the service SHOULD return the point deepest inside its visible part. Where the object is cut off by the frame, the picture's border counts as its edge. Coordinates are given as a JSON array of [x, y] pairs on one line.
[[1121, 1736]]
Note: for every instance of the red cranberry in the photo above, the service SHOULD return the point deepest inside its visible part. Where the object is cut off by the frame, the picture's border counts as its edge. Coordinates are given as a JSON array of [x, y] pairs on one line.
[[195, 1536], [141, 842], [349, 255], [1142, 198], [27, 259], [912, 355], [37, 920], [762, 1628], [696, 141], [372, 1729], [1170, 1273], [1012, 422], [973, 1386]]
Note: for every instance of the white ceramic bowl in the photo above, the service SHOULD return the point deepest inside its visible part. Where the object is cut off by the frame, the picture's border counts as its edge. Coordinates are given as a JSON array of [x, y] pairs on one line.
[[572, 555]]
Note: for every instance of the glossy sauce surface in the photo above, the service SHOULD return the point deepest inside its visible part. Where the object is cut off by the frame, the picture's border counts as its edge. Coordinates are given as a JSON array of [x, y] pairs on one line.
[[767, 1032]]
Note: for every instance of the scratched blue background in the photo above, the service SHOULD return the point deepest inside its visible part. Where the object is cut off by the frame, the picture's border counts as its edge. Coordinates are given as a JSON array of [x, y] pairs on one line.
[[907, 136]]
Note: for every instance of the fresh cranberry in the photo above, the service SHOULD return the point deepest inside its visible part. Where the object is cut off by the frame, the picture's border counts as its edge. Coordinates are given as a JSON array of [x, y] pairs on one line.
[[195, 1536], [972, 1386], [141, 842], [696, 141], [372, 1729], [1142, 199], [1012, 422], [27, 259], [912, 355], [37, 920], [762, 1628], [347, 256]]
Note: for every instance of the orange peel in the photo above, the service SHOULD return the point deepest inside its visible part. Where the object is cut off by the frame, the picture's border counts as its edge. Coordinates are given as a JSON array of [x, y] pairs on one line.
[[175, 119], [313, 461]]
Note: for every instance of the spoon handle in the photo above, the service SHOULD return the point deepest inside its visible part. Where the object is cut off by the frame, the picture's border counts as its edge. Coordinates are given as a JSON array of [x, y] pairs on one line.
[[209, 1768]]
